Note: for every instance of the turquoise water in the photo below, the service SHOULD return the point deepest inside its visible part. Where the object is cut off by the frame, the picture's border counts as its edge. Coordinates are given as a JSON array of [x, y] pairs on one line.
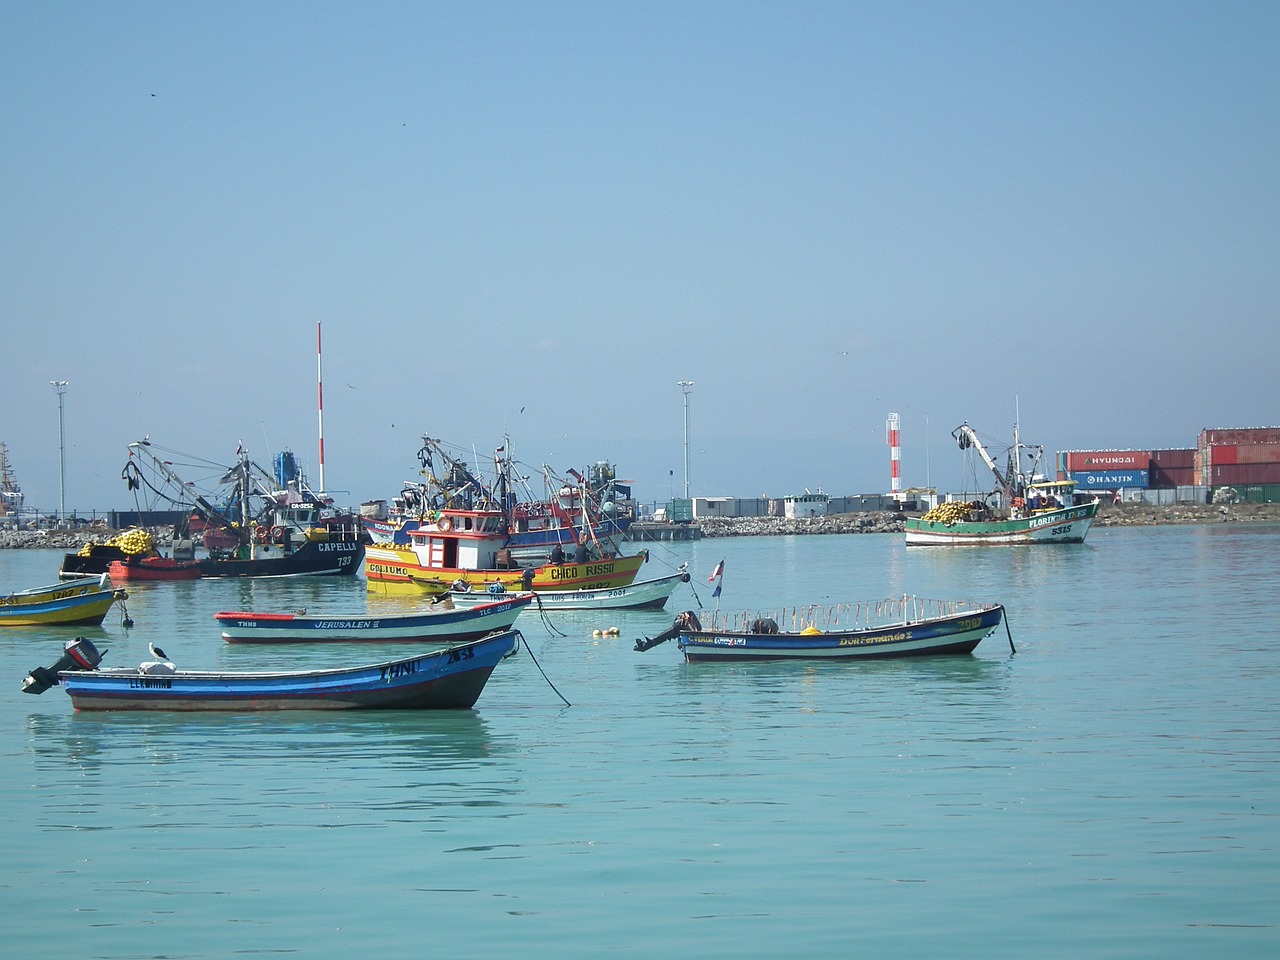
[[1112, 790]]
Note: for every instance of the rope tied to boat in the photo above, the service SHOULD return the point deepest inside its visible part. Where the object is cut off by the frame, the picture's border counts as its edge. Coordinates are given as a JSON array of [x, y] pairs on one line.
[[529, 650], [1004, 615]]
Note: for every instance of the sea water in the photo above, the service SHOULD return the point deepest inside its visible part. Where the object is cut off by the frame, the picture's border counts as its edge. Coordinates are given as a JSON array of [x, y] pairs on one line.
[[1112, 789]]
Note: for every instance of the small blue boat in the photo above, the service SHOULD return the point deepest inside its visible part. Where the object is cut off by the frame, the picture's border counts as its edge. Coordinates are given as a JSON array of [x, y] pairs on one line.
[[450, 678], [897, 627]]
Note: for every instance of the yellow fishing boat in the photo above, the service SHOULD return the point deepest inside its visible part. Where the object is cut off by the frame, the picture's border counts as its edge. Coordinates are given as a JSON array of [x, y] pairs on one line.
[[57, 591], [76, 609], [471, 547]]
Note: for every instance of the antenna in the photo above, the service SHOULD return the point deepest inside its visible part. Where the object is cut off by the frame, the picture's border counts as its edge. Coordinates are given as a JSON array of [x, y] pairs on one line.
[[320, 407]]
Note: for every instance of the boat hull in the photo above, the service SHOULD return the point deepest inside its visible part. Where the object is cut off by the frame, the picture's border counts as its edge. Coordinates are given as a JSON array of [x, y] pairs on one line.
[[640, 595], [155, 568], [444, 625], [97, 561], [1068, 525], [328, 558], [77, 610], [398, 571], [959, 634], [447, 679], [57, 591]]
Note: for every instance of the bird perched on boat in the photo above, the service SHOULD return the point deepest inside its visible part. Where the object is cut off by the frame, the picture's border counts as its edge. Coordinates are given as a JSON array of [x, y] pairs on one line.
[[160, 664]]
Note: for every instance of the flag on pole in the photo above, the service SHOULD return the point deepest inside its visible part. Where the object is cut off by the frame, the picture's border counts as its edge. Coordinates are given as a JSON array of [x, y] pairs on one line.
[[717, 576]]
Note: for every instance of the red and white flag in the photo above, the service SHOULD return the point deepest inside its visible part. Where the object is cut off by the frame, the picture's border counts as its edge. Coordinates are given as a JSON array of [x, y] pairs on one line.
[[717, 572]]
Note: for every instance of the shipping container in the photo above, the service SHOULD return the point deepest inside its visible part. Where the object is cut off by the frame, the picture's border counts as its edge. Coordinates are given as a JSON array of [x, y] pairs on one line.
[[680, 511], [1238, 435], [1223, 454], [1088, 461], [1184, 457], [1110, 479], [1261, 493], [1165, 477], [1239, 474]]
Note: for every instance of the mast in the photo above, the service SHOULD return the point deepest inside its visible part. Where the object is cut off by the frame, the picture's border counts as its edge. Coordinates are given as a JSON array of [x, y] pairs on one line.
[[320, 409], [207, 510]]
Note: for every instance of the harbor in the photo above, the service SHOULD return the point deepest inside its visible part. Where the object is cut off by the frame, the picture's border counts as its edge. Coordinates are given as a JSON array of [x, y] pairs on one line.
[[866, 782]]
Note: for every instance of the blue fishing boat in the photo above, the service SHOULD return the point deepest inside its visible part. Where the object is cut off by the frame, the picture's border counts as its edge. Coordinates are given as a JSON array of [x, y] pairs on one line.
[[450, 678], [440, 623], [898, 627]]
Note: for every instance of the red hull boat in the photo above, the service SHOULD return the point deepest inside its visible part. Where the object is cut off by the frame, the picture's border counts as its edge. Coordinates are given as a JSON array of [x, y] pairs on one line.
[[154, 568]]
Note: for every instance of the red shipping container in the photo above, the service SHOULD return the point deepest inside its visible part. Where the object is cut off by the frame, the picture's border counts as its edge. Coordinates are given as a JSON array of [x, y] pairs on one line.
[[1222, 455], [1091, 461], [1166, 478], [1238, 435], [1258, 453], [1244, 473], [1174, 459]]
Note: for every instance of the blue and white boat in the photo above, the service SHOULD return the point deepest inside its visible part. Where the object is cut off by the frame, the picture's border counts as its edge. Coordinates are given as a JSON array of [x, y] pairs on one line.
[[897, 627], [450, 678], [441, 623]]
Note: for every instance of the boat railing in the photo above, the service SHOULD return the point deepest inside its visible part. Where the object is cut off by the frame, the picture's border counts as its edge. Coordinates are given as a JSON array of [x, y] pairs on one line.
[[861, 615]]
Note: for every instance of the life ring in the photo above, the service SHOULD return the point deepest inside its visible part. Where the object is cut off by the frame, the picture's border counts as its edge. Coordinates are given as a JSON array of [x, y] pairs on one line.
[[277, 534], [261, 533], [444, 524]]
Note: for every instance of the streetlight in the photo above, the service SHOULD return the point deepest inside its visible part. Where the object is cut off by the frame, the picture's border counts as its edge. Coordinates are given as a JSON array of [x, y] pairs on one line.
[[686, 386], [60, 387]]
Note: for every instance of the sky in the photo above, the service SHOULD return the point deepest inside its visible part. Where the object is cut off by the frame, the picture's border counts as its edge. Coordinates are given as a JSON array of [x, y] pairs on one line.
[[532, 220]]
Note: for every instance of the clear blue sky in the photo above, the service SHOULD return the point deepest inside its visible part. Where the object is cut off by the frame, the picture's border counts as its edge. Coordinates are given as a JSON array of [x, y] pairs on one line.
[[533, 219]]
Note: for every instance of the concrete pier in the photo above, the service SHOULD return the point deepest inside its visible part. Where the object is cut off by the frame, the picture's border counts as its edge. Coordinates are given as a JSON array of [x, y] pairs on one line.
[[642, 531]]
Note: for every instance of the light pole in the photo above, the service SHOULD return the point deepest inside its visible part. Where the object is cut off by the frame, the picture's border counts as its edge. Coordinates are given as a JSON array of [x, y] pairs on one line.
[[686, 386], [60, 387]]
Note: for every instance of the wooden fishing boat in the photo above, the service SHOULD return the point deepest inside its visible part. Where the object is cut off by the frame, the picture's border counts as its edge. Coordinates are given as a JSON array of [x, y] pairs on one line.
[[639, 595], [154, 568], [469, 545], [94, 559], [1030, 509], [77, 609], [446, 679], [57, 591], [901, 627], [593, 508], [267, 525], [441, 623]]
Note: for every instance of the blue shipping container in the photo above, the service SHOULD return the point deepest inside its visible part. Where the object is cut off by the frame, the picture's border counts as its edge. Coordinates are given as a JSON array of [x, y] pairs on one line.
[[1110, 479]]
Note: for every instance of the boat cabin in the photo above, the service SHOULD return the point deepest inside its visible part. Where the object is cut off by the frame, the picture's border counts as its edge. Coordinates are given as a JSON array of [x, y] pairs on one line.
[[464, 540], [1048, 495]]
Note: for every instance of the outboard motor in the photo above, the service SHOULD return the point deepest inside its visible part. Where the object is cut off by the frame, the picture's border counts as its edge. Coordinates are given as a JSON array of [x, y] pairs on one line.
[[78, 654], [688, 620]]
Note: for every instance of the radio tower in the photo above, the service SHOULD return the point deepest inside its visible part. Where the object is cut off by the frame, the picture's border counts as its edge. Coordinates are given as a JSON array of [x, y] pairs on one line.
[[895, 457]]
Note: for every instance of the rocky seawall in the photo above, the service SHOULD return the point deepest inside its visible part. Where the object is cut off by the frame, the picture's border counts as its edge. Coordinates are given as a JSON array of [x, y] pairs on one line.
[[69, 541], [1111, 515]]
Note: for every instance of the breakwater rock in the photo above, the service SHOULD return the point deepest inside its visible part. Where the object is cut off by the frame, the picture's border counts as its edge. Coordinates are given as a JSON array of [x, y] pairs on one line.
[[69, 541], [877, 522], [1146, 514]]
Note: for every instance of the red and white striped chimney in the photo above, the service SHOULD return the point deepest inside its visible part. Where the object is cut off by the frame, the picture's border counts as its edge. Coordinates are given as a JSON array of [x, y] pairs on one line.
[[895, 456]]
